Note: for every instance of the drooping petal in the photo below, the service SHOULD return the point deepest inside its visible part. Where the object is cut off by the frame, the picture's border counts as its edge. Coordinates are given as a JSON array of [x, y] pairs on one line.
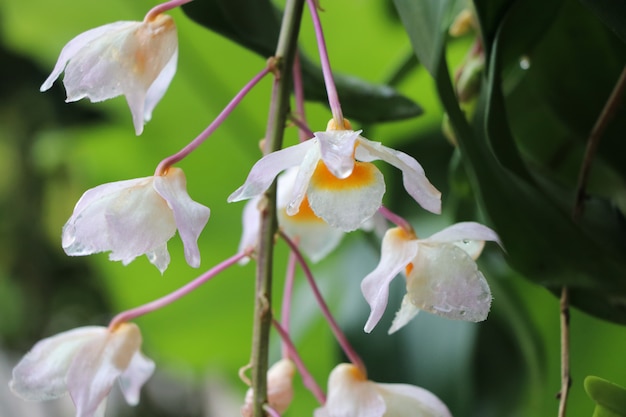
[[350, 394], [251, 221], [469, 236], [139, 370], [98, 364], [151, 53], [302, 179], [40, 375], [403, 400], [337, 151], [398, 250], [159, 86], [102, 191], [267, 168], [406, 313], [413, 176], [190, 216], [134, 59], [79, 42], [159, 257], [127, 218], [126, 61], [137, 221], [446, 281], [346, 203], [97, 71]]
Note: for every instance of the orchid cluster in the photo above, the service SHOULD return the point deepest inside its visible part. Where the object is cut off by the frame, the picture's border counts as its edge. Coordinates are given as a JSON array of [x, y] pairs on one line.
[[327, 185]]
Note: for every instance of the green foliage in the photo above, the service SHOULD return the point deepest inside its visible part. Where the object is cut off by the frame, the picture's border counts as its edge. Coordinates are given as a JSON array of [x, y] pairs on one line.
[[255, 25], [520, 149], [610, 398], [531, 212]]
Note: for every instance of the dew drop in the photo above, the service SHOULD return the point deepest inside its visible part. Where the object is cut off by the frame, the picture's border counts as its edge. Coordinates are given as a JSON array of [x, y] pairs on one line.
[[524, 62]]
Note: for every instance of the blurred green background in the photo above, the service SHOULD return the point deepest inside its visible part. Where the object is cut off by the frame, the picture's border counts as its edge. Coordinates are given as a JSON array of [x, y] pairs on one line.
[[51, 152]]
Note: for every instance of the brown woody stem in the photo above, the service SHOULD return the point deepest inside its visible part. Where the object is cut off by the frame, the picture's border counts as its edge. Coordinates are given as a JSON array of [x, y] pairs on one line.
[[279, 108]]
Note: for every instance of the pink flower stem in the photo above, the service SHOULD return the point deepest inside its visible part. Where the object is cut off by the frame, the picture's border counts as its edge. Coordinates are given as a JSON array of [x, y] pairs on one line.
[[179, 293], [307, 378], [396, 219], [171, 160], [331, 89], [164, 7], [285, 311], [303, 127], [339, 335], [298, 89]]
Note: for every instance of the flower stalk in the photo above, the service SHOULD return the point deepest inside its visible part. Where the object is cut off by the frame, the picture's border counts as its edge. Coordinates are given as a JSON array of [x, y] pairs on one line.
[[331, 89], [339, 335], [279, 108], [157, 304], [191, 146], [292, 353], [164, 7]]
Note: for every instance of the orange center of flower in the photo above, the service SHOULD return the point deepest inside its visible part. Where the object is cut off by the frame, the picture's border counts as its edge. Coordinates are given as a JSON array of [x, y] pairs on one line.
[[408, 269], [355, 373], [305, 213], [363, 174], [333, 125]]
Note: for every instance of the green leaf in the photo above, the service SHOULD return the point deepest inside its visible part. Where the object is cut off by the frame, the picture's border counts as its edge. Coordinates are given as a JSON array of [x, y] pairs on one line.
[[427, 23], [611, 13], [255, 25], [489, 14], [540, 238], [610, 398]]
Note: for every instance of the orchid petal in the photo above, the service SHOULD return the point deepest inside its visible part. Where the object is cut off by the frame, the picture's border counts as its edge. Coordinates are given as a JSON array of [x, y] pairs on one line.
[[406, 313], [123, 61], [413, 176], [160, 85], [337, 151], [98, 364], [267, 168], [446, 281], [404, 400], [190, 216], [159, 257], [139, 370], [397, 252], [151, 54], [302, 179], [313, 235], [134, 59], [348, 203], [469, 236], [350, 394], [128, 218], [101, 410], [40, 375], [137, 221], [79, 42], [251, 220]]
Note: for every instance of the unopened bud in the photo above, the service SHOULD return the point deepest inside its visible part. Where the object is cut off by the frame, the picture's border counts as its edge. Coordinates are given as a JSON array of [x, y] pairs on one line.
[[279, 388], [469, 79], [462, 24]]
